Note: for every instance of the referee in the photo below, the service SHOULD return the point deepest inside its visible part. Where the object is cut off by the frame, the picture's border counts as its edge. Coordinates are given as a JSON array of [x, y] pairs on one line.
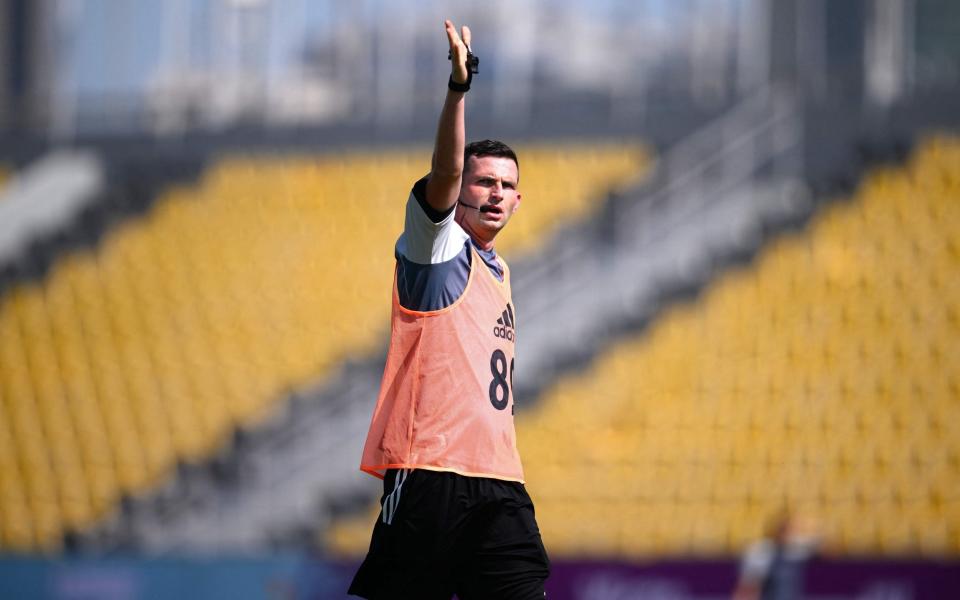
[[455, 517]]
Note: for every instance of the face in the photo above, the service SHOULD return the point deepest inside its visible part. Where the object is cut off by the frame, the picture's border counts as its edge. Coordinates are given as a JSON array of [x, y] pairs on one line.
[[490, 183]]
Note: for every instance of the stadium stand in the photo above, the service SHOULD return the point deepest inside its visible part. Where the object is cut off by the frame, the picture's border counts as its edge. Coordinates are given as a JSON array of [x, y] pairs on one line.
[[150, 350], [266, 490], [816, 377]]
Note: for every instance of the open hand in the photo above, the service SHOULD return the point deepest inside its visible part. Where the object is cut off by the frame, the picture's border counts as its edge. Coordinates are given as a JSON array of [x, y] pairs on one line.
[[459, 45]]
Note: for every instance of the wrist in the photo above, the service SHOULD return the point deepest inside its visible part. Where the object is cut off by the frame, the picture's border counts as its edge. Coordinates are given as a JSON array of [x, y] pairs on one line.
[[455, 86]]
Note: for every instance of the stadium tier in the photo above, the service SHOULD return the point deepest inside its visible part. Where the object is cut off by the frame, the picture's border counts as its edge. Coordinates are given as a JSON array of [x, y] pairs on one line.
[[150, 348], [822, 379]]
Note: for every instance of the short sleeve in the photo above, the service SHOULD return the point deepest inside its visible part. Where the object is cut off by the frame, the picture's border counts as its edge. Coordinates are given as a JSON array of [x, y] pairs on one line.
[[424, 240]]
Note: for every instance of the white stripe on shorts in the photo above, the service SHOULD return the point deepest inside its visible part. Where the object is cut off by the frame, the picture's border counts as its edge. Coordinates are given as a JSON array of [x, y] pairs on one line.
[[390, 503]]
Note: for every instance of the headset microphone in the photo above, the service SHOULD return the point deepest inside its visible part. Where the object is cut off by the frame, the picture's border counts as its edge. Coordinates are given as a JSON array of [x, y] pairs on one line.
[[476, 208]]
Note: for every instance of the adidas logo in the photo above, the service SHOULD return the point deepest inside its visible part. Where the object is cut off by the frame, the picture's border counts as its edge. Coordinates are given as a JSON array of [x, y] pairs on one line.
[[505, 328]]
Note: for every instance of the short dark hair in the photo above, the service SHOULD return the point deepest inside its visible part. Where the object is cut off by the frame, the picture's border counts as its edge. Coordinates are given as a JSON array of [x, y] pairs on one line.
[[489, 148]]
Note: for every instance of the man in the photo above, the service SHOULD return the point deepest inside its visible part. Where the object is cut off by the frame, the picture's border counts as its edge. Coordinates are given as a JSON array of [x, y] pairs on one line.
[[455, 517]]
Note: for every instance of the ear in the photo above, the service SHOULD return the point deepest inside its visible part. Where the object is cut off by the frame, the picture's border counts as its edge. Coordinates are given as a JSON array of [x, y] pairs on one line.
[[516, 206]]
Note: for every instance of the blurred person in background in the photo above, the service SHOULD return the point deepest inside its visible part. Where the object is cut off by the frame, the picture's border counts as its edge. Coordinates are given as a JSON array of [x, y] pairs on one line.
[[455, 517], [773, 567]]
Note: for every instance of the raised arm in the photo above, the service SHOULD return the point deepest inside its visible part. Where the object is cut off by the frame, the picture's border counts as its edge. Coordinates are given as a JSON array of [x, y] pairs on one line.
[[446, 170]]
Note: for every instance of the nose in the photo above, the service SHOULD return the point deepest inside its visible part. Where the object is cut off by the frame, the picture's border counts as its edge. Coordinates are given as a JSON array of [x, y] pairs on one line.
[[497, 191]]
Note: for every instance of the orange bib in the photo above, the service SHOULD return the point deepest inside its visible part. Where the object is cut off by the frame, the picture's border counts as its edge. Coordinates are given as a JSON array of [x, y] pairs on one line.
[[446, 398]]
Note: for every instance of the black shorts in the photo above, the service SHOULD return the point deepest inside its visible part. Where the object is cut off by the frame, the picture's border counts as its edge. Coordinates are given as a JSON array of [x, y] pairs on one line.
[[440, 534]]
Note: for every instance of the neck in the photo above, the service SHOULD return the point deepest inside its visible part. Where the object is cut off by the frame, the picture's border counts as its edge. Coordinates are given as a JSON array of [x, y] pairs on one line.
[[480, 240]]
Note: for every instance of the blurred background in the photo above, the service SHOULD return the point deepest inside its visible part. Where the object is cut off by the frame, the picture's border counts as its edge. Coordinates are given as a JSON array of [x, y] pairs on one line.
[[735, 274]]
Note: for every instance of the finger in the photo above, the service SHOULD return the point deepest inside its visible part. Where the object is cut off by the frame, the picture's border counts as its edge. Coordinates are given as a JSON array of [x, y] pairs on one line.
[[452, 36], [465, 34]]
